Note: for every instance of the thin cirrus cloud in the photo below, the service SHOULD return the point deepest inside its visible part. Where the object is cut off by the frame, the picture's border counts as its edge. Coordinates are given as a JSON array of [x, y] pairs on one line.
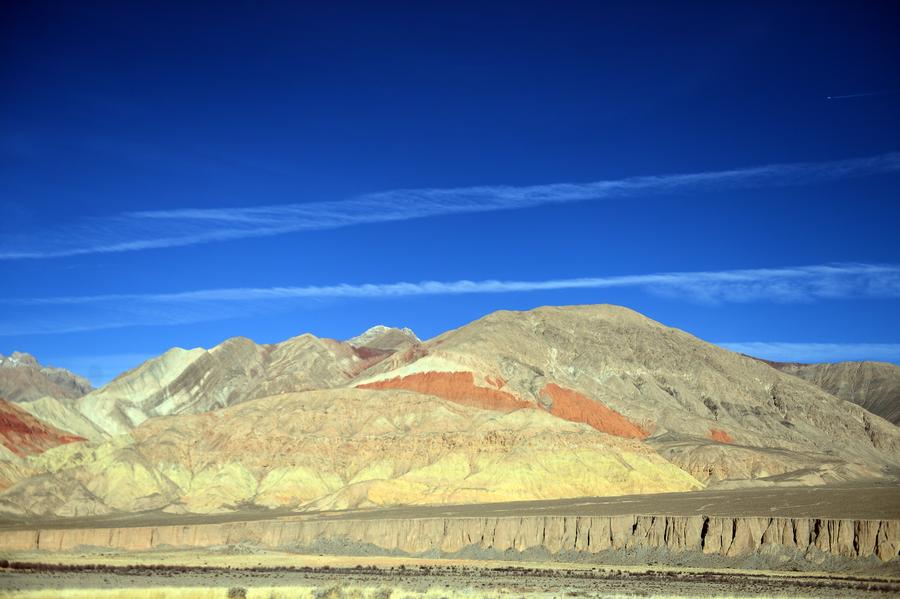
[[23, 316], [136, 231]]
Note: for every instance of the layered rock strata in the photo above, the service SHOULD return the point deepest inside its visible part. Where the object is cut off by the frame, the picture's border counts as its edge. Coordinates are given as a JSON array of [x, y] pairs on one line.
[[23, 434], [553, 403], [730, 537]]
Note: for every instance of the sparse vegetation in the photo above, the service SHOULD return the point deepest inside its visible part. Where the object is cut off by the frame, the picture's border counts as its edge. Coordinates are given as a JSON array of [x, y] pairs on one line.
[[419, 581]]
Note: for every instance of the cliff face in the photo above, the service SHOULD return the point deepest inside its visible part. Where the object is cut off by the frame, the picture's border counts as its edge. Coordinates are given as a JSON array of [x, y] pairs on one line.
[[722, 536]]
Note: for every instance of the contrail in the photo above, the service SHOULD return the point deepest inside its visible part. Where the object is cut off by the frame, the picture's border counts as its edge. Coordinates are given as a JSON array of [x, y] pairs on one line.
[[844, 97], [137, 231], [22, 316]]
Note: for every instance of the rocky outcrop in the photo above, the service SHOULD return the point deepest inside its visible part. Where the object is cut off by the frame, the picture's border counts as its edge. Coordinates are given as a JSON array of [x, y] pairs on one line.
[[571, 405], [720, 436], [723, 536], [458, 387], [23, 378]]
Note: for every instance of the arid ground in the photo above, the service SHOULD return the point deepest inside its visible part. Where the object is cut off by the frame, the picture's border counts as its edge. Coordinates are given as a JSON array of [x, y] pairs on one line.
[[273, 575], [369, 571]]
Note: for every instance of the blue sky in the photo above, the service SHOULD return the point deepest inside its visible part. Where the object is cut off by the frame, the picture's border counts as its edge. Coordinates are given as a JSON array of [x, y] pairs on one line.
[[174, 176]]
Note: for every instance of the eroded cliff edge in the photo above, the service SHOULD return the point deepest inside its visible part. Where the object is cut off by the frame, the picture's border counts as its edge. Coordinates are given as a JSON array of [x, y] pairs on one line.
[[812, 538]]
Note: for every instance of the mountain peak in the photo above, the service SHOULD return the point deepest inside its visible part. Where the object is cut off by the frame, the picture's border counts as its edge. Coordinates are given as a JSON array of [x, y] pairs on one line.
[[23, 378], [18, 358], [385, 337]]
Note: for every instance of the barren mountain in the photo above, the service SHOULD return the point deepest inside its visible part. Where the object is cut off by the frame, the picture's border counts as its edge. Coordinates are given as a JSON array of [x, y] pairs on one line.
[[198, 380], [549, 403], [341, 448], [717, 414], [22, 378], [872, 385]]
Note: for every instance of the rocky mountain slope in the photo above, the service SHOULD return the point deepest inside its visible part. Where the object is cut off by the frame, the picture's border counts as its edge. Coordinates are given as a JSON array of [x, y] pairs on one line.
[[717, 414], [23, 434], [63, 415], [549, 403], [872, 385], [198, 380], [23, 378], [340, 448]]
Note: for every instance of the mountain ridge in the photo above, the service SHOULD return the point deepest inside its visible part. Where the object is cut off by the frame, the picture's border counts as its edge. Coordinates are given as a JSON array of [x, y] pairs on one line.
[[873, 385], [23, 378], [236, 370], [548, 403]]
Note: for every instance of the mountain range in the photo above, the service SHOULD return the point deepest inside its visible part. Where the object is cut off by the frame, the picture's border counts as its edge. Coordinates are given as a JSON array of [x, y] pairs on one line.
[[550, 403], [872, 385]]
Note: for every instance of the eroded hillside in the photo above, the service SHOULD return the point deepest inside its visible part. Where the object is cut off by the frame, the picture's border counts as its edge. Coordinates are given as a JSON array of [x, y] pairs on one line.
[[549, 403], [873, 385]]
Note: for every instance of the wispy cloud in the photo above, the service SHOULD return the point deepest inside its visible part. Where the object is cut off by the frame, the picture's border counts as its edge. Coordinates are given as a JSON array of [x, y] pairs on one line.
[[793, 284], [816, 352], [135, 231]]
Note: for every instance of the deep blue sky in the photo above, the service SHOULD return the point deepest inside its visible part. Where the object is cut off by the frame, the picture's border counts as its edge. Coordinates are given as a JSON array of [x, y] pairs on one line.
[[116, 107]]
